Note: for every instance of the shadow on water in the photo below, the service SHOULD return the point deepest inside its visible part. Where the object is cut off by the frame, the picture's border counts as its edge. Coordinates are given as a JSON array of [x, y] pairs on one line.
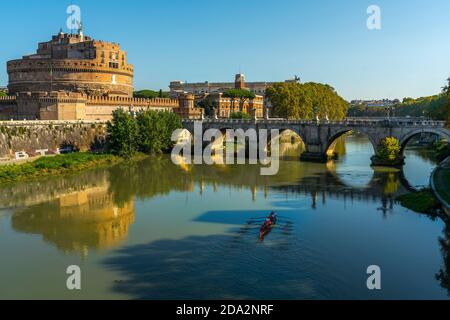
[[238, 266], [221, 267]]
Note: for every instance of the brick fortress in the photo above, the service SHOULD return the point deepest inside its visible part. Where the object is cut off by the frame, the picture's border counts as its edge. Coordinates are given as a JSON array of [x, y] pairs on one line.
[[73, 77]]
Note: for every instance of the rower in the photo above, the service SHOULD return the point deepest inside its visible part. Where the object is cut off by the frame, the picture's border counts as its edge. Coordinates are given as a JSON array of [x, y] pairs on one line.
[[273, 217]]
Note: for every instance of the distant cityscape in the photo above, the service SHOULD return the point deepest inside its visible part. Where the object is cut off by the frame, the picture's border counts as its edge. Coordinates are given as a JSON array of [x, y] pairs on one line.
[[384, 103]]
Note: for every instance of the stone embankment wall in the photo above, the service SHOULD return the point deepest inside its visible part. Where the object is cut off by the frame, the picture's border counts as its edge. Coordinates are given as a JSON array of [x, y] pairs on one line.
[[33, 138], [435, 176]]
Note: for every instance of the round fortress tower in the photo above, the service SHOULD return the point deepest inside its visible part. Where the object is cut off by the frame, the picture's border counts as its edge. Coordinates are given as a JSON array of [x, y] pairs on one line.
[[74, 63]]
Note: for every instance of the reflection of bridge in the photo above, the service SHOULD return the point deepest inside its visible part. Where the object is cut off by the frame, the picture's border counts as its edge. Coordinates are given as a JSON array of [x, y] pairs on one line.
[[126, 184], [320, 136], [383, 186]]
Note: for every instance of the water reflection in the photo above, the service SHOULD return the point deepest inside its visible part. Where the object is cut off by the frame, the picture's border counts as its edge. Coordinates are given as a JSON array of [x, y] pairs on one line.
[[78, 221], [95, 210]]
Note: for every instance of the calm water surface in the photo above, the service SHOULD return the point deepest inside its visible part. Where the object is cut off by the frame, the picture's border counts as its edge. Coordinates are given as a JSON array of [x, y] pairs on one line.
[[156, 231]]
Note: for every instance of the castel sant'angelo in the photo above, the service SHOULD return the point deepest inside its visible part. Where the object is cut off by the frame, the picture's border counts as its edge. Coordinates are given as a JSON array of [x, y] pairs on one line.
[[73, 77]]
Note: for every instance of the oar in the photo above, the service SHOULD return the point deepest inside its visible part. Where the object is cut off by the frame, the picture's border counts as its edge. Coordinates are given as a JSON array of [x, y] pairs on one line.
[[250, 221], [259, 218]]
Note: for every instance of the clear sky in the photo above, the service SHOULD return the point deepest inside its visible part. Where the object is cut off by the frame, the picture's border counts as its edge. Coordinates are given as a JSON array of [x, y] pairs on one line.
[[267, 40]]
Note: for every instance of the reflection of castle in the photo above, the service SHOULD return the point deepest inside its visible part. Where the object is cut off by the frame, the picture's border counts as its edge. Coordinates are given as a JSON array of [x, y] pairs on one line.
[[80, 221]]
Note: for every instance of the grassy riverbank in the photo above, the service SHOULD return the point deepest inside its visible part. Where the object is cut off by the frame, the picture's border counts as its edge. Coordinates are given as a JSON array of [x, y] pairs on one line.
[[57, 165], [422, 201], [442, 183]]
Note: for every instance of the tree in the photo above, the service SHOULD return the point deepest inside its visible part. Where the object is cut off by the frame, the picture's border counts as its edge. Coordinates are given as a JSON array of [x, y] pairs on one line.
[[389, 149], [3, 94], [446, 91], [434, 107], [150, 94], [155, 131], [306, 101], [446, 88], [122, 134], [240, 115], [150, 132]]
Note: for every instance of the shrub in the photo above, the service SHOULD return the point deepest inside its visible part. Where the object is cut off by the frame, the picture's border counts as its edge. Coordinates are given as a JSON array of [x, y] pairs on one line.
[[389, 149], [150, 132], [155, 131], [240, 115], [442, 150], [123, 134]]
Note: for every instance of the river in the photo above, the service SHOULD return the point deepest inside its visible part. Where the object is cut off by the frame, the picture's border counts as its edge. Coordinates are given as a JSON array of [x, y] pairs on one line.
[[153, 230]]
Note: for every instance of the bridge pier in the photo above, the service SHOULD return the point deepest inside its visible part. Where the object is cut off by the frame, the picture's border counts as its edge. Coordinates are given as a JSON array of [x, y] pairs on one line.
[[315, 152], [314, 157], [377, 162]]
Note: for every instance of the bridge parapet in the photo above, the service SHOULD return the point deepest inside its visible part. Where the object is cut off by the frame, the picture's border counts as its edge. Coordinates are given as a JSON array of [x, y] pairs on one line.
[[410, 122]]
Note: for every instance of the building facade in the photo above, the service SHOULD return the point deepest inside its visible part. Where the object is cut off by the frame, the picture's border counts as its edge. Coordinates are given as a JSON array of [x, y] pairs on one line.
[[258, 88], [73, 77], [225, 106]]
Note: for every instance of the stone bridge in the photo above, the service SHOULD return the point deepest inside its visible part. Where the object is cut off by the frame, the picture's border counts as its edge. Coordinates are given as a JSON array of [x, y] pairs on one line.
[[320, 136]]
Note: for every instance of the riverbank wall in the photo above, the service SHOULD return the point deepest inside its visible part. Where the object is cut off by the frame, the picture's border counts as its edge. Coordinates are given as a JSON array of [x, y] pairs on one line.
[[436, 178], [26, 139]]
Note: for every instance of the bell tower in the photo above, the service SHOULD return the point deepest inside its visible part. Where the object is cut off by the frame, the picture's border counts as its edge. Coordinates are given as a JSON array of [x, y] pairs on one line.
[[239, 81]]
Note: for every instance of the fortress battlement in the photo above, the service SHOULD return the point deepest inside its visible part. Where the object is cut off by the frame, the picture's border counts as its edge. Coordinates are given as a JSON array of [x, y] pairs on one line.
[[7, 99], [63, 65], [160, 102]]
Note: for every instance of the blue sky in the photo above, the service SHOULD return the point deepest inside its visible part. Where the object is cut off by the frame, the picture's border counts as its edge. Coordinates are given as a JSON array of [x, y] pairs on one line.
[[268, 40]]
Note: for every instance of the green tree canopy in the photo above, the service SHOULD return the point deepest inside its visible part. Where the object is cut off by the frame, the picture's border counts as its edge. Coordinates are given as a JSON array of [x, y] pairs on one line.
[[305, 101], [150, 94], [123, 133], [446, 88], [3, 94], [389, 149], [239, 93], [240, 115], [155, 131], [446, 91], [435, 107], [150, 132]]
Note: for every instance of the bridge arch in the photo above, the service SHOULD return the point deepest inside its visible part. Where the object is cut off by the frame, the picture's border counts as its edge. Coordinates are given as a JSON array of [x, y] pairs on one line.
[[443, 133], [333, 139], [283, 130], [283, 147]]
